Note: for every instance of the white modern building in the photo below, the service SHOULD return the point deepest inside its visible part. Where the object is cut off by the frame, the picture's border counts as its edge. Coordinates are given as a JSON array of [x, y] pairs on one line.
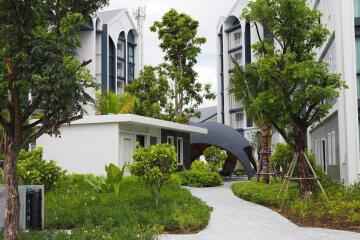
[[110, 40], [335, 140], [88, 144], [235, 37]]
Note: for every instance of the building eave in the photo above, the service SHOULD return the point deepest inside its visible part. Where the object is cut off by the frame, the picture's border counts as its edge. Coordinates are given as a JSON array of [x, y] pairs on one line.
[[140, 120]]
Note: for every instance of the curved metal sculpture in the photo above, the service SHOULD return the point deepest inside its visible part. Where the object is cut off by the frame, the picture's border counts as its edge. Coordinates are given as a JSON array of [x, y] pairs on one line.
[[227, 139]]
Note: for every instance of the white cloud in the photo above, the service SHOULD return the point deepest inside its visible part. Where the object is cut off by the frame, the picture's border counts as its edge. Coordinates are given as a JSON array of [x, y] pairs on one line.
[[205, 11]]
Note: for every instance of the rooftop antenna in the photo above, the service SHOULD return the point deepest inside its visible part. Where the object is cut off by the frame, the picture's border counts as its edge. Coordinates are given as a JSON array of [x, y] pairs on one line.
[[140, 15]]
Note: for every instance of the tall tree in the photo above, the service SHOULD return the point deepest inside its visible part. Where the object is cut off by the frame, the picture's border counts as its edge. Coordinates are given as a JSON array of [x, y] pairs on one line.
[[295, 87], [245, 87], [37, 50], [151, 90], [178, 35]]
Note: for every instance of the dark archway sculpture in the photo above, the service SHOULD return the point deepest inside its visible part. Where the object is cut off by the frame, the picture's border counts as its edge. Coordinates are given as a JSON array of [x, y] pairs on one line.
[[227, 139]]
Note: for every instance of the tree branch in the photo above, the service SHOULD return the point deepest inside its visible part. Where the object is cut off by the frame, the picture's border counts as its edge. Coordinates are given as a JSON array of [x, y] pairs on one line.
[[4, 123], [45, 129], [283, 134]]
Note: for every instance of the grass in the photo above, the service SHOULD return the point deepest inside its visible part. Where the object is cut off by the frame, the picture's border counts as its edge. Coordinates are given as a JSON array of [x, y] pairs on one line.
[[75, 211], [264, 194], [341, 210]]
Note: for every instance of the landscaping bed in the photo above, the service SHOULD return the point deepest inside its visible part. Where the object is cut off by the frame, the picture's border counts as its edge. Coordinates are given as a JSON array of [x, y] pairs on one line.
[[340, 211], [74, 210]]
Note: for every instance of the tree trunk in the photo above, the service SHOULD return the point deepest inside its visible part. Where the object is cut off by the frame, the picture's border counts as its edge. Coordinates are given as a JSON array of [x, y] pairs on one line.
[[265, 152], [12, 204], [301, 145]]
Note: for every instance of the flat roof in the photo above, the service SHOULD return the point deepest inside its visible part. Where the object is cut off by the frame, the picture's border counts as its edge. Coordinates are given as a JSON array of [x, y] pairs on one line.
[[145, 121]]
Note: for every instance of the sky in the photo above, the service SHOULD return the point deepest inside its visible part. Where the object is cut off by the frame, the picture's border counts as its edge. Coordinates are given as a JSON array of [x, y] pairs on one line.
[[207, 12]]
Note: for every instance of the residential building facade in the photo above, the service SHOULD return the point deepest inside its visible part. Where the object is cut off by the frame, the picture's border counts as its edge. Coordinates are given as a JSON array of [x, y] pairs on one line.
[[234, 39], [335, 140], [110, 40]]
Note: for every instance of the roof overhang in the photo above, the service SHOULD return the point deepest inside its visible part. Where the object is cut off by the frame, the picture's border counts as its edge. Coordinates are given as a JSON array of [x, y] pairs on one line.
[[139, 120]]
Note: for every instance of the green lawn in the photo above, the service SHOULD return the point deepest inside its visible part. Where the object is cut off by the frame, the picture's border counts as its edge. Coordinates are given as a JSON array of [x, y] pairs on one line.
[[264, 194], [75, 211], [341, 209]]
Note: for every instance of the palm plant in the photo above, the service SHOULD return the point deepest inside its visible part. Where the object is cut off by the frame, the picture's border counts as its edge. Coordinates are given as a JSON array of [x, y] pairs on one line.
[[246, 85], [111, 103]]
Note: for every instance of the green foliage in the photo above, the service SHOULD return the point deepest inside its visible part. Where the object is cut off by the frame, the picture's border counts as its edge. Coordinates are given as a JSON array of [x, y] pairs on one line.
[[114, 177], [39, 47], [342, 205], [265, 194], [177, 33], [129, 215], [111, 103], [200, 165], [215, 157], [112, 181], [200, 178], [282, 156], [153, 166], [151, 89], [33, 170]]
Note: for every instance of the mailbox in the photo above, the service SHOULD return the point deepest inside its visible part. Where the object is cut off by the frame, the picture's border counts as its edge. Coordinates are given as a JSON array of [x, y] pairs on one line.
[[31, 207]]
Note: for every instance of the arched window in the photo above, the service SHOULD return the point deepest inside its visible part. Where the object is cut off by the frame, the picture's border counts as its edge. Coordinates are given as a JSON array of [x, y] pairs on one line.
[[131, 56], [121, 54], [112, 63]]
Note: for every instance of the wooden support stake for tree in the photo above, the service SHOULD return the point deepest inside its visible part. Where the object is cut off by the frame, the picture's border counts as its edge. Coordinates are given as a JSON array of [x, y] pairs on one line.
[[288, 177]]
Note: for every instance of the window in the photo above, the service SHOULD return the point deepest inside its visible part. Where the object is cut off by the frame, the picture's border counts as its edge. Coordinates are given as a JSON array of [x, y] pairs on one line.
[[153, 140], [121, 69], [323, 154], [170, 140], [131, 73], [233, 103], [235, 39], [357, 8], [237, 120], [131, 53], [179, 151], [121, 48], [249, 122], [140, 139], [236, 56]]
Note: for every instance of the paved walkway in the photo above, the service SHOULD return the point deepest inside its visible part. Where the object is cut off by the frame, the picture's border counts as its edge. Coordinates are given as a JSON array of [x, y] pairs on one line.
[[236, 219]]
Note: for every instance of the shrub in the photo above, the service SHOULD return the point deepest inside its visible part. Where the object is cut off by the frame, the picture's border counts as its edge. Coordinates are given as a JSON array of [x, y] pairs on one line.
[[282, 156], [32, 169], [266, 194], [153, 166], [200, 165], [198, 178], [112, 181], [215, 157]]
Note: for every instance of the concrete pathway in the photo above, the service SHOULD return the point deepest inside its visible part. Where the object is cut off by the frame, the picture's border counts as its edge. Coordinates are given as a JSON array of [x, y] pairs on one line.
[[236, 219]]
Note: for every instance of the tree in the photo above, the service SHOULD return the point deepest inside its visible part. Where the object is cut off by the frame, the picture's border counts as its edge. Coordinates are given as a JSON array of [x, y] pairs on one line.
[[295, 87], [151, 90], [153, 165], [178, 35], [37, 48], [244, 84]]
